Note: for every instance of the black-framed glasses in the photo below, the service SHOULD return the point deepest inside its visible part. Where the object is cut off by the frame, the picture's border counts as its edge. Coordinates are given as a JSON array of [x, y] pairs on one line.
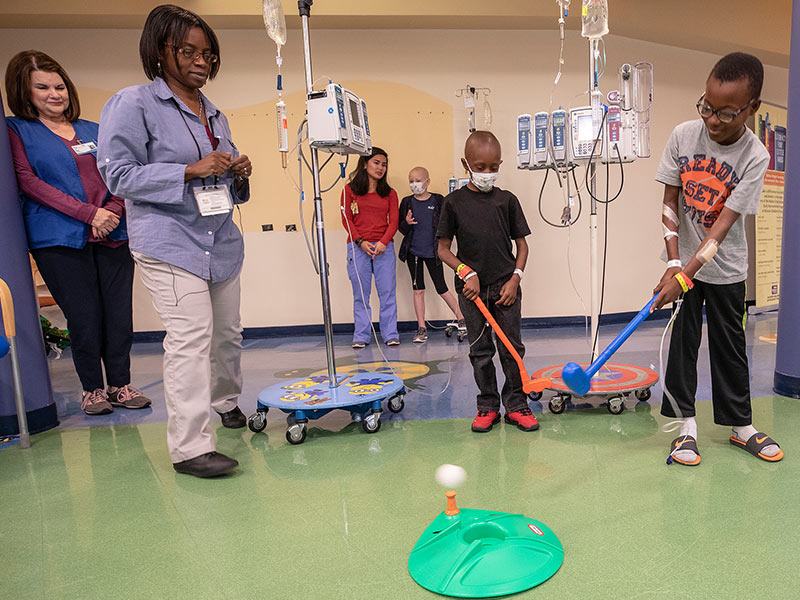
[[191, 53], [724, 116]]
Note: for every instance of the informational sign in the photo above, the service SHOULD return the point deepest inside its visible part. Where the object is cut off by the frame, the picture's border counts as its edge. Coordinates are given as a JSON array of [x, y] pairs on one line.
[[770, 127]]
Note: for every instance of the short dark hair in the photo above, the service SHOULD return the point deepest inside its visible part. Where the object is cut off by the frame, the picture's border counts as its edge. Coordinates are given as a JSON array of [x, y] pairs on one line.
[[739, 65], [170, 23], [481, 138], [18, 85], [359, 180]]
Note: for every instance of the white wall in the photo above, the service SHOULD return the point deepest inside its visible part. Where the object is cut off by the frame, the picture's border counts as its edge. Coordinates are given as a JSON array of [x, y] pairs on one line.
[[279, 285]]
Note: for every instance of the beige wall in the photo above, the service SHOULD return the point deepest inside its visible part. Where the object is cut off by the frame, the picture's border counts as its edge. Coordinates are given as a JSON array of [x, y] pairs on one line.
[[409, 78]]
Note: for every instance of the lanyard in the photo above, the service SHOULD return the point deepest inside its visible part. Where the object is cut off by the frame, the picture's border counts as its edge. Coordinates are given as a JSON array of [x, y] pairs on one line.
[[194, 139]]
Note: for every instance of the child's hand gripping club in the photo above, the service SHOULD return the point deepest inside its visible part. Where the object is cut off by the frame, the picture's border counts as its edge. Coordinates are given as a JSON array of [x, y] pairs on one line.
[[468, 275]]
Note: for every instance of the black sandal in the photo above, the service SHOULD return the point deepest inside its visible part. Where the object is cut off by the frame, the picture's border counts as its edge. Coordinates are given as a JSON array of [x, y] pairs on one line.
[[683, 442], [757, 442]]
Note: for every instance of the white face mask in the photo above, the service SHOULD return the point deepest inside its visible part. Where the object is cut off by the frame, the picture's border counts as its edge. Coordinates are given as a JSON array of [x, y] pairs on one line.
[[417, 187], [483, 181]]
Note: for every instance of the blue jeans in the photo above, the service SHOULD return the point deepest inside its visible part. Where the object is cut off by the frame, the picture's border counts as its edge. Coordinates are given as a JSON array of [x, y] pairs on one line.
[[361, 268]]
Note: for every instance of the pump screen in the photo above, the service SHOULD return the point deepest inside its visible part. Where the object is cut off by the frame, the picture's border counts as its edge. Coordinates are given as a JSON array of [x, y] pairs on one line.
[[585, 127], [354, 114]]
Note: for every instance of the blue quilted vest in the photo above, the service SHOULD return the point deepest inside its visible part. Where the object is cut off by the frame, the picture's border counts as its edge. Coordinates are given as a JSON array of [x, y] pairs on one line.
[[54, 163]]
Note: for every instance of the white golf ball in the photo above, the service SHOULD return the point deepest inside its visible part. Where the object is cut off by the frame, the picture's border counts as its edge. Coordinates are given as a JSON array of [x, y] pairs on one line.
[[450, 476]]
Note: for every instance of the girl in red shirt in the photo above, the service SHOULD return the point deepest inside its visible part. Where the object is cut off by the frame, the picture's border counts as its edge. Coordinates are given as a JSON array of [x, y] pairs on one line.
[[369, 214]]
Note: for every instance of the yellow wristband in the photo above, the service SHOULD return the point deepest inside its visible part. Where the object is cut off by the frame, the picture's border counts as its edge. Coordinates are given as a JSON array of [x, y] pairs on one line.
[[463, 271], [682, 281]]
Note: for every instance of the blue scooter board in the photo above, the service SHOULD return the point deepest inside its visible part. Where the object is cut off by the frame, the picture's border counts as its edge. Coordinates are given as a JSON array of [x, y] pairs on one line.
[[310, 398]]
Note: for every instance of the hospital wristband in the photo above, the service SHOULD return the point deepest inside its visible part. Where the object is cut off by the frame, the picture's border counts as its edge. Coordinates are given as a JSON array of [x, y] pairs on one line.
[[463, 271], [675, 262], [519, 272], [683, 279]]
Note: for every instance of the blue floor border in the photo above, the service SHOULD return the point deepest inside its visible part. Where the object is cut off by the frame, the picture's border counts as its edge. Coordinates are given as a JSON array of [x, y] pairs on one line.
[[411, 326]]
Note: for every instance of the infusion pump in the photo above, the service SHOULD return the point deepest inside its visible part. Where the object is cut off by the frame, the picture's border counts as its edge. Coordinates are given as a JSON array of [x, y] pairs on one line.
[[567, 138], [337, 121]]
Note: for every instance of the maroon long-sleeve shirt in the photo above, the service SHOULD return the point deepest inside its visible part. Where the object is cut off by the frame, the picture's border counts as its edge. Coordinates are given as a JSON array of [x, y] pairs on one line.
[[93, 185]]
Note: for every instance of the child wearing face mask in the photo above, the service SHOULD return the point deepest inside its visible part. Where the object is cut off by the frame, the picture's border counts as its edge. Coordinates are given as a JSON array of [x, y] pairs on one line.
[[418, 219], [485, 220]]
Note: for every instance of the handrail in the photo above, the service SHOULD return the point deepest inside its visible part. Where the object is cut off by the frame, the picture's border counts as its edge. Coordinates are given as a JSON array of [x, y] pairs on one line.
[[10, 327], [7, 306]]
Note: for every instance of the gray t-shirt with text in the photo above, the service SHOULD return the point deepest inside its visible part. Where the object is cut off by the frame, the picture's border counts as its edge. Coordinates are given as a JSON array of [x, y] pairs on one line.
[[712, 177]]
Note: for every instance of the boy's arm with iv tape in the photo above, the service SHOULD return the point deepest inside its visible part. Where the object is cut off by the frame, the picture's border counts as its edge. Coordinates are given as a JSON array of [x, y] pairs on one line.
[[669, 286]]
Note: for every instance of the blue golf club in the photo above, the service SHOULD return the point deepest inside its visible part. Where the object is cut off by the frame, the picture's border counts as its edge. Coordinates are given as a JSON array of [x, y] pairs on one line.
[[579, 380]]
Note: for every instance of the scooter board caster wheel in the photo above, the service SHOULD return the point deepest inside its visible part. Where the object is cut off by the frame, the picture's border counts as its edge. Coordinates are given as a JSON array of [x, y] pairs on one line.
[[257, 422]]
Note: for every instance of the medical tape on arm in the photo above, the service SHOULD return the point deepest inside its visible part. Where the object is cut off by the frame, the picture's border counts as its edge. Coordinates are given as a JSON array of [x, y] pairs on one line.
[[667, 212], [707, 250], [670, 216]]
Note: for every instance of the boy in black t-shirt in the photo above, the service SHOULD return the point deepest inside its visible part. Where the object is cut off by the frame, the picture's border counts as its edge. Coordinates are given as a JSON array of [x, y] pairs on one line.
[[485, 219]]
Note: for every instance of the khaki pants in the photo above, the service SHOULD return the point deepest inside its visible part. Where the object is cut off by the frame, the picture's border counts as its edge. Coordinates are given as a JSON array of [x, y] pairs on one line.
[[202, 351]]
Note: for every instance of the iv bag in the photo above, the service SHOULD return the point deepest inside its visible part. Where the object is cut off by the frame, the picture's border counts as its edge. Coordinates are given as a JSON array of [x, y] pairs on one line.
[[487, 114], [274, 21], [594, 19]]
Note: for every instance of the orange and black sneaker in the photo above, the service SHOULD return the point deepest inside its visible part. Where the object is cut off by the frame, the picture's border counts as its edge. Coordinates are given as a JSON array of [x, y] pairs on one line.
[[485, 421], [523, 419]]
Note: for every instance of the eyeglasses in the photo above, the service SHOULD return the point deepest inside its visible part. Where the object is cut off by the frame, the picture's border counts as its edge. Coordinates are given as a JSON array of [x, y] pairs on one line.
[[724, 116], [191, 53]]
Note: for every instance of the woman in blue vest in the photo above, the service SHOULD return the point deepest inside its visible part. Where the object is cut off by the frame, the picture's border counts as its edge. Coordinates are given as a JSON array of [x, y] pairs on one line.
[[76, 228]]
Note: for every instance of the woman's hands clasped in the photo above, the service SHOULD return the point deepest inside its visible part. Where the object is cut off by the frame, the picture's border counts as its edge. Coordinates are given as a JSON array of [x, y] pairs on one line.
[[374, 249], [216, 163], [104, 222]]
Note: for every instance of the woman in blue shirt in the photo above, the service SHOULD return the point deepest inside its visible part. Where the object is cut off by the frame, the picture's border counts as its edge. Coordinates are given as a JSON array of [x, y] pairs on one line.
[[168, 151]]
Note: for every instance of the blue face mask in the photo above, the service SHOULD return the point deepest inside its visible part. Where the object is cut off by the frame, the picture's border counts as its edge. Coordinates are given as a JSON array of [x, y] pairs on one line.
[[483, 181]]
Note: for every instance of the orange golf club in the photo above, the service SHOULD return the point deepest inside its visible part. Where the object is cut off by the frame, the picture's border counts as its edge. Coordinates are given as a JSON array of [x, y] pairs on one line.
[[529, 385]]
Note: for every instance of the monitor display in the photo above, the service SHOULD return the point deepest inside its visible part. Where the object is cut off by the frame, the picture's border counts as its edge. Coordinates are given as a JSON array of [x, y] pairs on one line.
[[354, 113], [585, 129]]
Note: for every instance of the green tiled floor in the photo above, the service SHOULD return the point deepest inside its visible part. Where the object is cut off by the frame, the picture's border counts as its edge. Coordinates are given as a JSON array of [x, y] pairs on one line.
[[99, 513]]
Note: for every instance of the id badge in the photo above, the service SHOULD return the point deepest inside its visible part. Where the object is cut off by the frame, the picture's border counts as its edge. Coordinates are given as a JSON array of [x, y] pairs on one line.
[[213, 199], [87, 148]]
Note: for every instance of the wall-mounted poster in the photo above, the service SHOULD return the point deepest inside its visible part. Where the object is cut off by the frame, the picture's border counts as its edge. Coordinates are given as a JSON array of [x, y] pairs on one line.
[[770, 127]]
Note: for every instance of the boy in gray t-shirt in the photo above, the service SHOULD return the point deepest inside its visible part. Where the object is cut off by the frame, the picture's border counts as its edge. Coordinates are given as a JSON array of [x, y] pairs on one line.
[[713, 171]]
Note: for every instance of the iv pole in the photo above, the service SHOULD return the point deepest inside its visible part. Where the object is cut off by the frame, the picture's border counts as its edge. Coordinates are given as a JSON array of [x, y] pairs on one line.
[[593, 250], [304, 7], [365, 392]]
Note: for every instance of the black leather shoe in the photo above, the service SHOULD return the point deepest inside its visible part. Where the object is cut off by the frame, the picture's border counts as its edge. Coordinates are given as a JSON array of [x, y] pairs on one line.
[[211, 464], [233, 419]]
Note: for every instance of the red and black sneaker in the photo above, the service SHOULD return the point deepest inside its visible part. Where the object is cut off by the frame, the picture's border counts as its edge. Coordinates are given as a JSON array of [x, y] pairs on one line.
[[523, 419], [485, 421]]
